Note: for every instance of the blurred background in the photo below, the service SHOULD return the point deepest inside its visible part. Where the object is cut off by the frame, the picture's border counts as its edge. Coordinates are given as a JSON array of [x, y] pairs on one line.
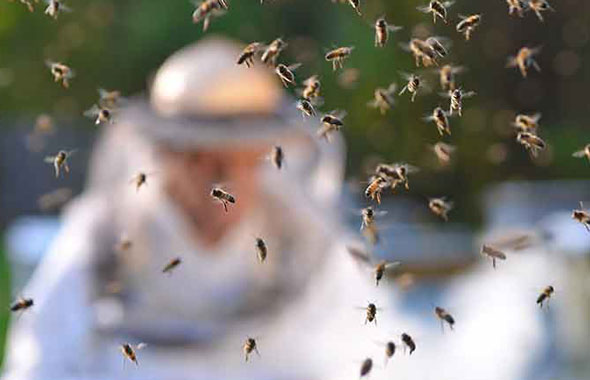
[[495, 185]]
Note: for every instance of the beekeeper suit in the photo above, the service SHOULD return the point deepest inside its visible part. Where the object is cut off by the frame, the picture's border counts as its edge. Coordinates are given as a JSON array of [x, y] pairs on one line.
[[303, 305]]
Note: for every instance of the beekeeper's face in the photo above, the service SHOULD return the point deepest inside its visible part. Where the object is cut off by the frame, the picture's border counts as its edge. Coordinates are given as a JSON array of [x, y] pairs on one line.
[[190, 176]]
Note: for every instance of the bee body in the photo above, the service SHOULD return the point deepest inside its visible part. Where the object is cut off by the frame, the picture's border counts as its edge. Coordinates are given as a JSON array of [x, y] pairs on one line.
[[277, 156], [545, 295], [492, 253], [527, 123], [516, 7], [248, 54], [208, 9], [129, 351], [413, 85], [330, 123], [271, 53], [437, 8], [389, 349], [440, 207], [61, 73], [312, 88], [524, 59], [249, 347], [582, 216], [261, 250], [337, 56], [408, 342], [531, 142], [371, 313], [366, 367], [539, 6], [585, 152], [306, 108], [443, 152], [22, 304], [223, 196], [382, 30], [285, 73], [444, 316], [171, 265], [383, 98], [375, 187], [467, 25]]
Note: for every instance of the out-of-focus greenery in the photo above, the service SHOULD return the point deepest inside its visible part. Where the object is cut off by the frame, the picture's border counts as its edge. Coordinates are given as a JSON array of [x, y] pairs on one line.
[[120, 43]]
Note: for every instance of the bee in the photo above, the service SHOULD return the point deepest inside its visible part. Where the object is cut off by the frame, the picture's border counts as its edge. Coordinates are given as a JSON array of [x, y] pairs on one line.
[[447, 77], [545, 295], [493, 253], [331, 122], [468, 24], [440, 207], [312, 88], [516, 6], [261, 250], [389, 350], [444, 316], [21, 304], [100, 114], [375, 187], [437, 8], [382, 30], [413, 85], [371, 313], [222, 196], [396, 174], [524, 59], [422, 52], [408, 342], [582, 216], [171, 265], [60, 72], [54, 7], [437, 46], [366, 367], [285, 73], [527, 123], [539, 6], [129, 351], [368, 215], [247, 55], [457, 95], [337, 56], [250, 346], [207, 9], [139, 180], [59, 160], [306, 107], [277, 156], [272, 51], [356, 5], [384, 98], [124, 244], [381, 267], [531, 142], [109, 99], [29, 4], [441, 120], [443, 152], [585, 152]]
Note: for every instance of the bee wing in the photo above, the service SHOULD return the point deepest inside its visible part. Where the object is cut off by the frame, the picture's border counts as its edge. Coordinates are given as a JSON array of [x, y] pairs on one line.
[[580, 153], [406, 76], [70, 152], [424, 8], [394, 28], [445, 94], [411, 168], [373, 103], [392, 264], [428, 117], [340, 114], [392, 88], [49, 159], [536, 117], [469, 94], [294, 66], [447, 4], [511, 61], [141, 346], [92, 111], [405, 46]]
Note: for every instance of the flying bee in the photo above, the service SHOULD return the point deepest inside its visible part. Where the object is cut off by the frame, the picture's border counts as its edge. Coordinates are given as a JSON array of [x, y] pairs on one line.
[[109, 99], [382, 30], [285, 73], [171, 265], [60, 72], [21, 304], [516, 6], [408, 342], [384, 98], [139, 180], [443, 152], [338, 55], [545, 295], [331, 122], [272, 51], [531, 142], [376, 186], [437, 8], [100, 114], [29, 4], [129, 351], [368, 224], [208, 9], [493, 253], [356, 5], [437, 45], [389, 350], [440, 207], [527, 123], [413, 85], [55, 7], [422, 52], [222, 196], [247, 55], [444, 316], [312, 88], [371, 313], [396, 174], [582, 216], [457, 95], [277, 156], [261, 250], [383, 266], [585, 152], [524, 59], [306, 108], [441, 120], [447, 77], [539, 6], [366, 367], [249, 347], [468, 24], [59, 160]]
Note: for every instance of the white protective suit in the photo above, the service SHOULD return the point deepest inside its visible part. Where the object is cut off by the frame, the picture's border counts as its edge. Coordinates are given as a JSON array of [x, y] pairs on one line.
[[302, 305]]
